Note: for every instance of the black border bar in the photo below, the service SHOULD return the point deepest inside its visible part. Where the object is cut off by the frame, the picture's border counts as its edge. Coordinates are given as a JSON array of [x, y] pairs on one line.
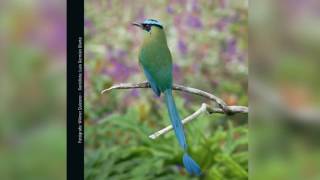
[[75, 89]]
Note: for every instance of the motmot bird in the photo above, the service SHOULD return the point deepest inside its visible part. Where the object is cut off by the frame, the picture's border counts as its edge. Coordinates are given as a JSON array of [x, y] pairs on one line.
[[156, 62]]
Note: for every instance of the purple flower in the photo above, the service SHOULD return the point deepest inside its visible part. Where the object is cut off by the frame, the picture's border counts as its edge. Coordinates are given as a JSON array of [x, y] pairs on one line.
[[170, 10], [195, 6], [242, 57], [182, 46], [177, 21], [51, 33], [134, 93], [230, 51], [194, 22], [231, 48], [187, 99], [116, 68], [87, 23], [177, 74], [222, 24], [121, 54]]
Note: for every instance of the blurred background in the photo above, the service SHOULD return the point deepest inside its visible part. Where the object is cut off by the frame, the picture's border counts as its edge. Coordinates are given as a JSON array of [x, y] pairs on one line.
[[208, 41], [209, 45], [32, 89], [284, 89]]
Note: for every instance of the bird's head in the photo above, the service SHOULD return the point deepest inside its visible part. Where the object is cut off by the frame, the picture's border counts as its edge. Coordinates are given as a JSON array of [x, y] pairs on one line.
[[148, 24]]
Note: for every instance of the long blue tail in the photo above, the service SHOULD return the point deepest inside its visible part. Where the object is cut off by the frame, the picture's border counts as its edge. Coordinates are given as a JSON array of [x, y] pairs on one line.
[[191, 166]]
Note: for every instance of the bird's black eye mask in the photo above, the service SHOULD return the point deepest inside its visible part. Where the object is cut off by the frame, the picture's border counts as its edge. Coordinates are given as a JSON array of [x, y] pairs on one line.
[[147, 27]]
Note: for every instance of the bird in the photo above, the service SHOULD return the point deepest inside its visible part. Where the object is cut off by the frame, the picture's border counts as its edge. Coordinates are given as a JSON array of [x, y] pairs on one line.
[[156, 61]]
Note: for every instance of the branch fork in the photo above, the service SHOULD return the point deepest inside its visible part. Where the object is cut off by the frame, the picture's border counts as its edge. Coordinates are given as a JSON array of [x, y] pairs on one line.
[[222, 109]]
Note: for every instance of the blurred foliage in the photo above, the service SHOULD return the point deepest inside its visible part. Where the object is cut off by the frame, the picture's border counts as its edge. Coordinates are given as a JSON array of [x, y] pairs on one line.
[[208, 41], [284, 89], [32, 90], [118, 147]]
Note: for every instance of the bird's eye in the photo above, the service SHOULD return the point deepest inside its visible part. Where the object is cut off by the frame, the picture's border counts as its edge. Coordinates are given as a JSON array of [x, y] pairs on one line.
[[147, 27]]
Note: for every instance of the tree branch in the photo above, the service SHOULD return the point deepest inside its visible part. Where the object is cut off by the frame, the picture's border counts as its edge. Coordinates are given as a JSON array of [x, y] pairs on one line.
[[176, 87], [223, 108], [204, 108]]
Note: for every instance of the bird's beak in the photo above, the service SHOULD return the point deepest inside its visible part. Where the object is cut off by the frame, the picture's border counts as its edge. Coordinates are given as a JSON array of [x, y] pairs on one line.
[[137, 24]]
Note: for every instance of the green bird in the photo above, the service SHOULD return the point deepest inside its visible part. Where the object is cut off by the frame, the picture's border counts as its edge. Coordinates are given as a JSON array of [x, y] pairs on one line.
[[156, 62]]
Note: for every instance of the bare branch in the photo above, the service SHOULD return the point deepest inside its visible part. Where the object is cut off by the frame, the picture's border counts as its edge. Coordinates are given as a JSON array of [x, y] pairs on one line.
[[144, 84], [232, 109], [204, 108], [176, 87], [222, 109], [184, 121]]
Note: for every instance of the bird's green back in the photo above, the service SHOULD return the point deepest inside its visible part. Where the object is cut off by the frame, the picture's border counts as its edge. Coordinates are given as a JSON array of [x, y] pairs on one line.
[[155, 58]]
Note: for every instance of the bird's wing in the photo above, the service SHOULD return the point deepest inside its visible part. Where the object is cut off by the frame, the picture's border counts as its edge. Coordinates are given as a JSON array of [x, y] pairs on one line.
[[157, 65], [151, 81]]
